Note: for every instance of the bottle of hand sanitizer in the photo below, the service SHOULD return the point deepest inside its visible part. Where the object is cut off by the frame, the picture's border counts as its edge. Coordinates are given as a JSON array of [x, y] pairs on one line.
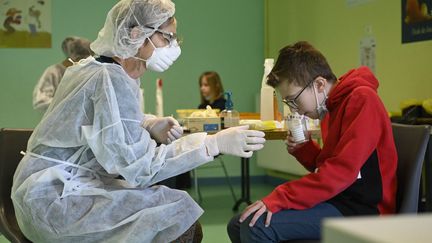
[[267, 108], [229, 117]]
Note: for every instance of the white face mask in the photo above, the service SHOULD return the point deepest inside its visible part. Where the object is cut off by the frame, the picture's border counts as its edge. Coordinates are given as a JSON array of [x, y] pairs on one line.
[[162, 57], [321, 108]]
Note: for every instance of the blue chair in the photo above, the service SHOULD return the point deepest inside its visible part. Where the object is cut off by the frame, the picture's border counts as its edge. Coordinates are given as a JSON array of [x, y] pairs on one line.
[[411, 142]]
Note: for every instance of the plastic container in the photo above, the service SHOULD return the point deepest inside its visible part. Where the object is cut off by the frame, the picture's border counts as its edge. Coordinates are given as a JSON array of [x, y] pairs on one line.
[[229, 117], [267, 109], [297, 125]]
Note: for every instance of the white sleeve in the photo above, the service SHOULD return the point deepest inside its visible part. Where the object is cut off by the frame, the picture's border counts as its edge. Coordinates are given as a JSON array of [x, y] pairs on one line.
[[123, 147], [146, 117], [183, 155], [141, 101]]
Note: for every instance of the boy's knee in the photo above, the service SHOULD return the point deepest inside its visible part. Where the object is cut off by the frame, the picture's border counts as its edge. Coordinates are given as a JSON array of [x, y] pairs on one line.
[[242, 232], [256, 233], [234, 224], [233, 229]]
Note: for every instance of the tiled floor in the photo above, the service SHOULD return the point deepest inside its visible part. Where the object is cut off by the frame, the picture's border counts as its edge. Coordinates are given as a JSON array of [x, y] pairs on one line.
[[217, 204]]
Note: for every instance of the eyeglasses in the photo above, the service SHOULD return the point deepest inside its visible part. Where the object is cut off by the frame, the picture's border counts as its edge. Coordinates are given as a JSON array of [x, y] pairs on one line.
[[291, 103], [169, 36]]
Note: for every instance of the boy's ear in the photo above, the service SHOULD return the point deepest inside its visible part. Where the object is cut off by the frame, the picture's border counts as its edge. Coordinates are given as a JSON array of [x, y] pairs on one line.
[[320, 84]]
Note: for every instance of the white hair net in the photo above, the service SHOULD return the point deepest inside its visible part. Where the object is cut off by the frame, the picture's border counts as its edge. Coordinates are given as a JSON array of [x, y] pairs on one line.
[[142, 17], [76, 48]]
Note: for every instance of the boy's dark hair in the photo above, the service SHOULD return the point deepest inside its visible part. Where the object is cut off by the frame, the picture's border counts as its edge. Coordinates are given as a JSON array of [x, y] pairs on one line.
[[299, 63]]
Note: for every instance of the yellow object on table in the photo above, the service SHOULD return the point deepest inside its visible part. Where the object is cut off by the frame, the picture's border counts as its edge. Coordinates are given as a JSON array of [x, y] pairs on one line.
[[262, 125], [183, 113], [427, 106]]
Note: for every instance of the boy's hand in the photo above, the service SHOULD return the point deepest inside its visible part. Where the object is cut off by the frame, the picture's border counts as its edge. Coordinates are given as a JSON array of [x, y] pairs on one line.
[[259, 207], [291, 144]]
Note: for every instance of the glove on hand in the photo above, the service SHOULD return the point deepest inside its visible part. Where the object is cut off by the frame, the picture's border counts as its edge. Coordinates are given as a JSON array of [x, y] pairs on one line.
[[164, 129], [238, 141]]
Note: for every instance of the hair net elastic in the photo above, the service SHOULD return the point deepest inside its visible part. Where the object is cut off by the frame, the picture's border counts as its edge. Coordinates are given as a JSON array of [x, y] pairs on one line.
[[76, 48], [128, 24]]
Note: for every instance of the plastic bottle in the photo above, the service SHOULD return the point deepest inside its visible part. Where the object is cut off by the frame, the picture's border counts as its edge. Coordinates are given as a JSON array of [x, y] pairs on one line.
[[267, 93], [297, 126], [277, 115], [159, 98], [229, 117]]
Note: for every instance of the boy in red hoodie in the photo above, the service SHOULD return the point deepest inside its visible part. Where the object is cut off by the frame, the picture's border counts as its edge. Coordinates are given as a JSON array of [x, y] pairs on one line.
[[354, 173]]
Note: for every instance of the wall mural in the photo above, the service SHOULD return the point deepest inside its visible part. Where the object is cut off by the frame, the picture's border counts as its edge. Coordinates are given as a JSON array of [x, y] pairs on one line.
[[25, 23]]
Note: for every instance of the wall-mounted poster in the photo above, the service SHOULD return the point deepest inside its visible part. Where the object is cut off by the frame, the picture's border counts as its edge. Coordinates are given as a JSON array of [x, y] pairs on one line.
[[25, 23], [416, 20]]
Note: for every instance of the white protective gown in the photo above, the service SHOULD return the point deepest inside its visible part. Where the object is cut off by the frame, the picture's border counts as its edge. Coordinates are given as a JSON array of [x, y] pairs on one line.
[[66, 188]]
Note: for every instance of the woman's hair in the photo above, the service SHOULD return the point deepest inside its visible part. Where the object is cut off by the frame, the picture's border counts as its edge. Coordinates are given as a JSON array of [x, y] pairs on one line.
[[128, 24], [76, 48], [299, 64], [215, 83]]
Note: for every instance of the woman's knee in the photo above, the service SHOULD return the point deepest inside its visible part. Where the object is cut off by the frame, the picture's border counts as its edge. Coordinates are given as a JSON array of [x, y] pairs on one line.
[[194, 234]]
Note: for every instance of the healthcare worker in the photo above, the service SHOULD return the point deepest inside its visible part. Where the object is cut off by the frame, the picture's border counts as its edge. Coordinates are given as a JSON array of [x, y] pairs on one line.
[[74, 49], [67, 186]]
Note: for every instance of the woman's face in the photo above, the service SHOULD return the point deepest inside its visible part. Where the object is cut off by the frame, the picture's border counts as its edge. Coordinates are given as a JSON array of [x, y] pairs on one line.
[[205, 88], [158, 40], [136, 68]]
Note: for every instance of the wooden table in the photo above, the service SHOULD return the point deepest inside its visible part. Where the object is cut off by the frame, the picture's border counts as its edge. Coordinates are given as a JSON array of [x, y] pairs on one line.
[[278, 134]]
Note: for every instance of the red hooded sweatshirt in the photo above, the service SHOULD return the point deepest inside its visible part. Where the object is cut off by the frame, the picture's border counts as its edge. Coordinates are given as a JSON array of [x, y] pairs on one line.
[[356, 169]]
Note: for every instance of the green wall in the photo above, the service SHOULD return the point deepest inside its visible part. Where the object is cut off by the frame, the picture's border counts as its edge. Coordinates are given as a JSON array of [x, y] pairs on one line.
[[336, 30], [20, 69], [217, 35]]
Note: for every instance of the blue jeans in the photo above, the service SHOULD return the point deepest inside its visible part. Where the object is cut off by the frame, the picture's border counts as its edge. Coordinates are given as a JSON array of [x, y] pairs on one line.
[[284, 225]]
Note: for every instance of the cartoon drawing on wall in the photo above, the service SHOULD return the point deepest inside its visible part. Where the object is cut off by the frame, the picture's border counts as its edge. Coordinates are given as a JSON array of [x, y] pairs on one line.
[[416, 20], [13, 17], [25, 23]]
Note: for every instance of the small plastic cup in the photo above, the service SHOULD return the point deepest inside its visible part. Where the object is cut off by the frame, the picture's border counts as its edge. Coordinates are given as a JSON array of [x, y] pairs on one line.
[[296, 124]]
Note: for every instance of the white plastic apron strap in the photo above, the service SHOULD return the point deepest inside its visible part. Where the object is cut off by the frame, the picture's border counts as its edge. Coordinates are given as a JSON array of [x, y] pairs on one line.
[[57, 161]]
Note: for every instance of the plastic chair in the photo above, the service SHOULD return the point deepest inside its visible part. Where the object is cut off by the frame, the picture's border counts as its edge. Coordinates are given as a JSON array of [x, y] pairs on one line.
[[195, 176], [12, 142], [411, 143]]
